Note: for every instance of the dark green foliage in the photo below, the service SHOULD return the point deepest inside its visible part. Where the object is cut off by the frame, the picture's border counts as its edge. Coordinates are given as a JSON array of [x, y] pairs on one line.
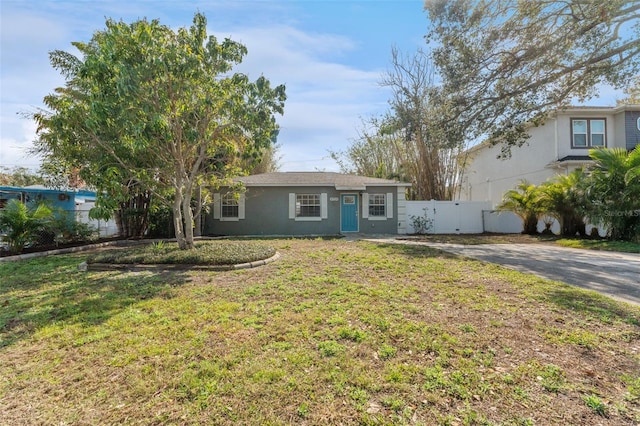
[[506, 64], [613, 189], [524, 201], [152, 111], [21, 224], [204, 253]]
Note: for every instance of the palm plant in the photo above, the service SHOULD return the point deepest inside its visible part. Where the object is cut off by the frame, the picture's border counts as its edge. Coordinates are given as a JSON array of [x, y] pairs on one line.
[[563, 198], [523, 201], [21, 224], [613, 191]]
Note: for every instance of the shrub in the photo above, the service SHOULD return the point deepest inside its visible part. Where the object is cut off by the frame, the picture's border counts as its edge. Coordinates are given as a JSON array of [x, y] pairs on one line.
[[22, 224]]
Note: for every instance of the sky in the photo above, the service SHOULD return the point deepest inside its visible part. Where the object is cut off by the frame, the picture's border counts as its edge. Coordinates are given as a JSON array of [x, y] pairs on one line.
[[330, 54]]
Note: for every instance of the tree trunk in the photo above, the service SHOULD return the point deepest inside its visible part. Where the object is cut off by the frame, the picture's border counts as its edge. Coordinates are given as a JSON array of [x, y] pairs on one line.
[[198, 215], [177, 220], [187, 215]]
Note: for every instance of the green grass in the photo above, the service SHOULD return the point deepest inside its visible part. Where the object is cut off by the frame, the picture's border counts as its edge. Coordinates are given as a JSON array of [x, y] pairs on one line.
[[334, 332], [582, 243], [219, 252], [606, 245]]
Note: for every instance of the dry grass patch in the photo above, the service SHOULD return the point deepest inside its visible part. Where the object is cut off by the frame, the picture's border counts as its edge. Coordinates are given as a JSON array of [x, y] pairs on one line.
[[335, 332]]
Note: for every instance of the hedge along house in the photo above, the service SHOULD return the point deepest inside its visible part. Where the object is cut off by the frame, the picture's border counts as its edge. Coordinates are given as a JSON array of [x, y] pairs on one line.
[[309, 203]]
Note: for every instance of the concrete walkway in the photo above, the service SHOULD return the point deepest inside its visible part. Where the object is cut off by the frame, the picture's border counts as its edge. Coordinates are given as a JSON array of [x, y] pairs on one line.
[[611, 273]]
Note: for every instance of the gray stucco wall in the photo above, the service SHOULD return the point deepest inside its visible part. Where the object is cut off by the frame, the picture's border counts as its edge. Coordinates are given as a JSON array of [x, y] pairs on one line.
[[267, 213]]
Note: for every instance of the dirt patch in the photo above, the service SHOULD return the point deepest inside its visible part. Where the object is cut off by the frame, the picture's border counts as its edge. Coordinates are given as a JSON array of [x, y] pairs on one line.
[[487, 238]]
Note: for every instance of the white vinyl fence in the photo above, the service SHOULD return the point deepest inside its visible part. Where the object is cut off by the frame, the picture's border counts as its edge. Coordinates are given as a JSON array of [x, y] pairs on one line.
[[501, 222], [105, 228], [468, 217], [447, 217]]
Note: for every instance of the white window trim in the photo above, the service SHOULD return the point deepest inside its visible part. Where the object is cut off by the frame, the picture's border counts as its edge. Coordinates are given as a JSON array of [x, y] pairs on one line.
[[217, 208], [589, 133], [324, 213], [388, 207]]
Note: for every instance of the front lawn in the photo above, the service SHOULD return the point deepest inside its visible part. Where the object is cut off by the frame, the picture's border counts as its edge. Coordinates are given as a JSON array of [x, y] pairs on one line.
[[211, 253], [606, 245], [488, 238], [334, 332]]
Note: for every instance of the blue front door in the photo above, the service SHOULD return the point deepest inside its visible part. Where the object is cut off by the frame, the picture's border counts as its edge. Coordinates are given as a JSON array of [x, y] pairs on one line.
[[349, 213]]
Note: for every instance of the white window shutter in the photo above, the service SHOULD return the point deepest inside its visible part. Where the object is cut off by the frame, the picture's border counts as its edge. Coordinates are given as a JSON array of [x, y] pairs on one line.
[[324, 210], [241, 206], [365, 205], [389, 205], [216, 205], [292, 205]]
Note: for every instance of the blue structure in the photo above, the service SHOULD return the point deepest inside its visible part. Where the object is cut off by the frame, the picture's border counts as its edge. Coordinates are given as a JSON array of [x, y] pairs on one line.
[[64, 199]]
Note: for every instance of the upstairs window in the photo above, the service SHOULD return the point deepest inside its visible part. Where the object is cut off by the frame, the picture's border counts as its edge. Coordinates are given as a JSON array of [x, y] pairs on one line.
[[588, 133]]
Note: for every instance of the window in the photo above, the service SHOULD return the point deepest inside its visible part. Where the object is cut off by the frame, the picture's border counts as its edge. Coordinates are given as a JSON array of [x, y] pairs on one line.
[[586, 133], [377, 204], [307, 205], [229, 205], [349, 199]]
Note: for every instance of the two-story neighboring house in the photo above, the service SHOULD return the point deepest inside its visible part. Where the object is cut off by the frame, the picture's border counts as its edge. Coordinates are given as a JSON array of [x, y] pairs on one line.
[[558, 146]]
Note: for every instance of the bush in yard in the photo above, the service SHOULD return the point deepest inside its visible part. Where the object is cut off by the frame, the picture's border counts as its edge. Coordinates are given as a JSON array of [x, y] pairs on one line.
[[612, 190], [524, 202], [66, 229], [22, 224]]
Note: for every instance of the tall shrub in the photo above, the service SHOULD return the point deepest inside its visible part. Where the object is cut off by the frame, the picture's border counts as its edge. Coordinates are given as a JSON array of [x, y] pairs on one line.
[[22, 224], [524, 202], [613, 192]]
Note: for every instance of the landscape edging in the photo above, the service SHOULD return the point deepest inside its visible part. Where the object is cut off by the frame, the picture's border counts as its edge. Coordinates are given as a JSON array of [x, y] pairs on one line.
[[174, 267]]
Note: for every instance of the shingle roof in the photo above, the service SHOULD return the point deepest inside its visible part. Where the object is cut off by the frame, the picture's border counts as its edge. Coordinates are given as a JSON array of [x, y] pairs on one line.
[[575, 158], [337, 180]]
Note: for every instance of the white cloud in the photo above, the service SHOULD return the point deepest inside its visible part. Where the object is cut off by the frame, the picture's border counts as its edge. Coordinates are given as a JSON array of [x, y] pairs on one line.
[[14, 148], [325, 99]]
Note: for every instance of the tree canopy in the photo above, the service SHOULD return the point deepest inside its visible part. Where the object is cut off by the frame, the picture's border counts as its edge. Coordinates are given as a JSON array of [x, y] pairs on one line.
[[160, 110], [506, 63], [418, 140], [19, 176]]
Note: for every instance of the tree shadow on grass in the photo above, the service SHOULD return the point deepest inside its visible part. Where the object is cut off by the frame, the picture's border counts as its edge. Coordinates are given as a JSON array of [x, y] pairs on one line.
[[40, 292], [562, 295], [592, 303], [418, 250]]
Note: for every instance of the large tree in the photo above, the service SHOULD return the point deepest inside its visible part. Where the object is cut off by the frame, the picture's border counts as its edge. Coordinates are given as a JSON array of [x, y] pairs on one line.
[[632, 91], [414, 141], [159, 109], [376, 152], [421, 117], [19, 176], [505, 63]]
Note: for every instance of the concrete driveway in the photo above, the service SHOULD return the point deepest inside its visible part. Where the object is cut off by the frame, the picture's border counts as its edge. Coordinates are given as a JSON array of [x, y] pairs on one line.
[[611, 273]]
